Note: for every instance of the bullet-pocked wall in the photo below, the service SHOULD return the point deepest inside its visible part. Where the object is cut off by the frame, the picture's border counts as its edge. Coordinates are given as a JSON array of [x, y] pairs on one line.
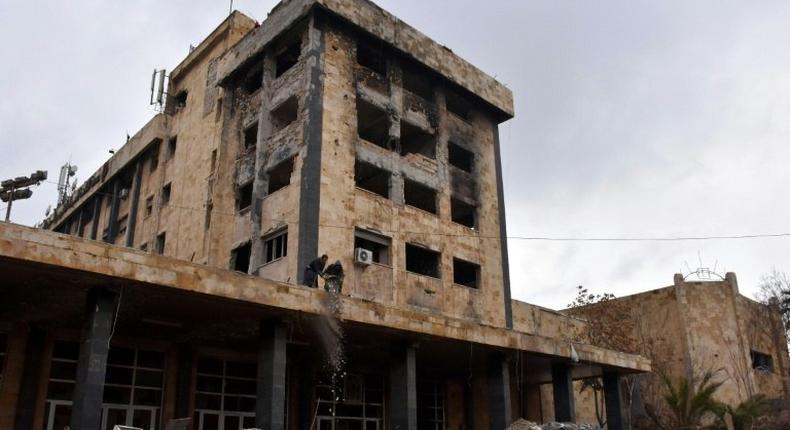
[[408, 172]]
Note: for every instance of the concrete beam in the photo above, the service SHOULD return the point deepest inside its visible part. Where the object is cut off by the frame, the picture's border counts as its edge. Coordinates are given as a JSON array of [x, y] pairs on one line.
[[52, 252], [564, 405], [403, 388], [92, 364], [270, 405], [500, 414], [613, 396]]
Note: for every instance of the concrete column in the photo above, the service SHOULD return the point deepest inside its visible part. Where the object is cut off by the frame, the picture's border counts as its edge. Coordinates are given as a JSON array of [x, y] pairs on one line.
[[262, 152], [186, 360], [31, 376], [403, 388], [97, 200], [92, 364], [613, 396], [270, 405], [503, 231], [564, 406], [310, 185], [132, 218], [112, 226], [499, 406]]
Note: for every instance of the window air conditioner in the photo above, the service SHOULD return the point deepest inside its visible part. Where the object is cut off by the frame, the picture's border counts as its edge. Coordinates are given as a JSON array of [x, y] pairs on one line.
[[363, 256]]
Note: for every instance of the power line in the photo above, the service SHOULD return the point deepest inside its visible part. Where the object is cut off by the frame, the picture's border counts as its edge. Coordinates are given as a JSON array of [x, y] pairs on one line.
[[214, 211]]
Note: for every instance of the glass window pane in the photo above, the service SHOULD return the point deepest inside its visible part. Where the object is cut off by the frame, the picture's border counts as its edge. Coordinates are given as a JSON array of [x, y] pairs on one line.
[[210, 366], [67, 350], [121, 356], [118, 375], [63, 370], [211, 384], [151, 359], [115, 417], [210, 422], [239, 386], [117, 395], [232, 423], [142, 419], [244, 370], [148, 378], [60, 390], [208, 401], [146, 397]]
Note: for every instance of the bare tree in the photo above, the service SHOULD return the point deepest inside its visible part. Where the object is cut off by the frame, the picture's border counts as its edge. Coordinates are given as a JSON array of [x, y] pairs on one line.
[[775, 288]]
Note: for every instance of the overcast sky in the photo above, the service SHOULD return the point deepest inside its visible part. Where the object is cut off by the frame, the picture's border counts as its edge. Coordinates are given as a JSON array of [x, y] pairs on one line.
[[633, 119]]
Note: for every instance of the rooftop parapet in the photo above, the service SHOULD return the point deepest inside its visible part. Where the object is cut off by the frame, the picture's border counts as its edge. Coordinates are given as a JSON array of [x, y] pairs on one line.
[[382, 25]]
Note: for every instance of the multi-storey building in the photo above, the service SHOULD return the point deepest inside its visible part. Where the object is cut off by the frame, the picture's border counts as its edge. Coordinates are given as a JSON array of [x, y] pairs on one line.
[[330, 128]]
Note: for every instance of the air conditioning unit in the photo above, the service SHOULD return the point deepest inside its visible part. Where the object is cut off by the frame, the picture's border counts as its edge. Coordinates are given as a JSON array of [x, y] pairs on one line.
[[363, 256]]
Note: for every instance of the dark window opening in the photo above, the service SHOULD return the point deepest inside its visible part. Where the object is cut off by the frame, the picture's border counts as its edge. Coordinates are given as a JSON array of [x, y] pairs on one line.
[[280, 175], [373, 123], [458, 105], [275, 247], [370, 55], [285, 114], [414, 140], [378, 245], [172, 143], [123, 222], [240, 258], [154, 159], [213, 160], [466, 273], [166, 194], [460, 157], [419, 196], [762, 362], [244, 196], [288, 58], [160, 243], [422, 261], [254, 80], [149, 206], [144, 247], [251, 136], [180, 100], [430, 405], [371, 178], [417, 80], [463, 213]]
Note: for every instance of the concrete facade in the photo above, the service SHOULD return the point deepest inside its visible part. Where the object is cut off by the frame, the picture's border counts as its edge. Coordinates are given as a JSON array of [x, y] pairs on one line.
[[332, 127]]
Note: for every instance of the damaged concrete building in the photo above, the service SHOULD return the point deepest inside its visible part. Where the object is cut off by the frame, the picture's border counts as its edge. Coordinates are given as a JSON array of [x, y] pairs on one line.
[[168, 285], [692, 327]]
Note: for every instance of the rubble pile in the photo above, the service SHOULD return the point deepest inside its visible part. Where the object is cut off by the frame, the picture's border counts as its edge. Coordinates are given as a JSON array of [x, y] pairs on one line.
[[528, 425]]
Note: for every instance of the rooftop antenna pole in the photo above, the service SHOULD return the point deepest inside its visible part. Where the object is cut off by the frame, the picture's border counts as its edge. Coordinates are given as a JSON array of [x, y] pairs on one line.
[[230, 11]]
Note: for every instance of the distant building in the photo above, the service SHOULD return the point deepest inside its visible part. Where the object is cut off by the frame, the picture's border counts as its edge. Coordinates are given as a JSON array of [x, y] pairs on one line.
[[330, 128], [695, 326]]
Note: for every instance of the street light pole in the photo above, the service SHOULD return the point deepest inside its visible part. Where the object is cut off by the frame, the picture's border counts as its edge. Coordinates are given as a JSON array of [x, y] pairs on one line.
[[19, 189], [8, 208]]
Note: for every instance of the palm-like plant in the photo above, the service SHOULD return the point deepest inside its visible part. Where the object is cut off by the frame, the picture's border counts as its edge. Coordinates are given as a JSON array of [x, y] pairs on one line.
[[744, 415], [688, 403]]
